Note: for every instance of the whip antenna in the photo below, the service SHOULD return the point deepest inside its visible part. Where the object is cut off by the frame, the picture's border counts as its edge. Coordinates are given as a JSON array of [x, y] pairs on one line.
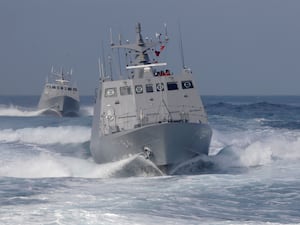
[[181, 47]]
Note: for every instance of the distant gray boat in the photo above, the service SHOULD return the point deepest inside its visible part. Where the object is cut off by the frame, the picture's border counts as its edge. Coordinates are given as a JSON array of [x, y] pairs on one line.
[[60, 97], [147, 110]]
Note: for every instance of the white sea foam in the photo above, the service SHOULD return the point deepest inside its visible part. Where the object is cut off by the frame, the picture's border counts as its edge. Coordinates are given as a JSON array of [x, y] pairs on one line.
[[256, 148], [47, 135], [54, 165], [235, 149], [243, 149], [17, 111], [43, 165]]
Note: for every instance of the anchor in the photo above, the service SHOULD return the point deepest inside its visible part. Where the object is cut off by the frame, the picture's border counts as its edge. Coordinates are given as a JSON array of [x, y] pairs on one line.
[[147, 152]]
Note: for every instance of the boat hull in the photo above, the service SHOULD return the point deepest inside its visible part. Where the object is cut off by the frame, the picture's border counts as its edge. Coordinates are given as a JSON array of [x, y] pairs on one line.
[[60, 105], [167, 145]]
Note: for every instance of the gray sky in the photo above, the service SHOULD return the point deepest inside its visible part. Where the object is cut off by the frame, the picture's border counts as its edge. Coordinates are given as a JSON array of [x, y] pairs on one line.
[[234, 47]]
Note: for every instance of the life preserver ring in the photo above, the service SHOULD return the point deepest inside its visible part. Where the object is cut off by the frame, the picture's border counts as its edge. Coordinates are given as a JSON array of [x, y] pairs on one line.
[[160, 87], [110, 92], [139, 89], [187, 84]]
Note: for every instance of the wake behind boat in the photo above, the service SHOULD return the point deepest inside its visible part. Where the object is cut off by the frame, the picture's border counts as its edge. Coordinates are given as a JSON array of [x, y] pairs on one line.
[[148, 110], [59, 97]]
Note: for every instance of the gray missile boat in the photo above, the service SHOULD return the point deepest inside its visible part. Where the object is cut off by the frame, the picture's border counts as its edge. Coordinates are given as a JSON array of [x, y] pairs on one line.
[[59, 97], [148, 110]]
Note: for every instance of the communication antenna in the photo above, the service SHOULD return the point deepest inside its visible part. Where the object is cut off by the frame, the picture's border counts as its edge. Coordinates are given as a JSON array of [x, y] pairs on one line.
[[181, 47], [111, 37], [104, 62], [166, 33], [100, 70], [119, 57], [110, 67], [62, 73]]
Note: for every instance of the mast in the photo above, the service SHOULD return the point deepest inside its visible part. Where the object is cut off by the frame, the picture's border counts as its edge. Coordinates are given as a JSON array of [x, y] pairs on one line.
[[181, 47], [140, 47], [61, 77], [119, 57], [103, 67], [100, 70], [139, 51]]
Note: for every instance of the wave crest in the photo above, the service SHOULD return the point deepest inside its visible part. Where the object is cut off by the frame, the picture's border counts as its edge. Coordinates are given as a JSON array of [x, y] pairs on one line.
[[47, 135], [259, 148], [49, 165], [18, 111]]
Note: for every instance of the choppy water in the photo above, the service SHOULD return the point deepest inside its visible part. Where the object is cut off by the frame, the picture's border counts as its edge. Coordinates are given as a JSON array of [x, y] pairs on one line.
[[252, 175]]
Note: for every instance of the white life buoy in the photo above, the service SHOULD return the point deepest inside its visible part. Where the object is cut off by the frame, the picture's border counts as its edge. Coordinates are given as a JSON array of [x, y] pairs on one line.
[[160, 87], [110, 92], [187, 84], [139, 89]]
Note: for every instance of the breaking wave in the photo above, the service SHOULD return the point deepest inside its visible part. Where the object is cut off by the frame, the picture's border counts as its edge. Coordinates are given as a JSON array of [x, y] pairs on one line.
[[251, 149], [17, 111], [230, 153], [240, 151], [49, 165], [47, 135]]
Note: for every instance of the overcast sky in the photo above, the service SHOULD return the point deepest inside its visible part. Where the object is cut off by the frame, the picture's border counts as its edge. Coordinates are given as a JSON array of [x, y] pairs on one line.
[[234, 47]]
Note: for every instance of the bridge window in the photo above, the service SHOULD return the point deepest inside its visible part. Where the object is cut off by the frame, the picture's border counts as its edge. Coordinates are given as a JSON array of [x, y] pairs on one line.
[[74, 89], [187, 84], [172, 86], [110, 92], [149, 88], [125, 90], [69, 89]]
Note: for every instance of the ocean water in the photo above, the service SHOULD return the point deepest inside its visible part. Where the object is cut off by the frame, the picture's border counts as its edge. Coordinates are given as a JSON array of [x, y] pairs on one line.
[[252, 175]]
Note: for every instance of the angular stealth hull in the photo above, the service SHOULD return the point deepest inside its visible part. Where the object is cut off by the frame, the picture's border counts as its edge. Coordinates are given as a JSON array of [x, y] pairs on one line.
[[60, 105], [167, 145]]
